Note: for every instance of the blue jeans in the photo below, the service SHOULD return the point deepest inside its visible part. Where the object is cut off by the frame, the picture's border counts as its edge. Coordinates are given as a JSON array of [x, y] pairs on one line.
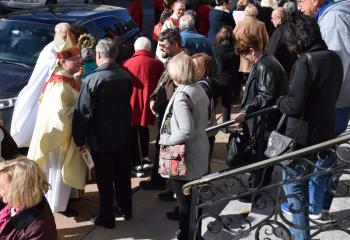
[[342, 117], [319, 196], [297, 196]]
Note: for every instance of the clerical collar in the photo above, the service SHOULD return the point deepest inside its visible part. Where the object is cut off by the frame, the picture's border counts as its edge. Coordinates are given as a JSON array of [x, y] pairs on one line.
[[323, 8]]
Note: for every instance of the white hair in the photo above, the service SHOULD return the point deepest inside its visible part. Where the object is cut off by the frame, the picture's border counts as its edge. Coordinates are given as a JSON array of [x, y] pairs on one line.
[[62, 27], [269, 3], [186, 21], [142, 43]]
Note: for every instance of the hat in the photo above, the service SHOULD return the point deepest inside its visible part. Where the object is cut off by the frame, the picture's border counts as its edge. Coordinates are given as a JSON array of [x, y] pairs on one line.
[[66, 49]]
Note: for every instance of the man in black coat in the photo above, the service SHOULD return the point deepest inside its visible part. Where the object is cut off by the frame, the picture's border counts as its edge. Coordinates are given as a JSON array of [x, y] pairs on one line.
[[277, 46], [103, 117]]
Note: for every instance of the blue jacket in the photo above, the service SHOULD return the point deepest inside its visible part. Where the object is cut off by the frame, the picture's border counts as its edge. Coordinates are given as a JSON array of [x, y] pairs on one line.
[[195, 42], [335, 29]]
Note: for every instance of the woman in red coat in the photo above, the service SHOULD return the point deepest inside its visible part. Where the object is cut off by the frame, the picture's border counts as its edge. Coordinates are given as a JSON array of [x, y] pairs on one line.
[[135, 11], [145, 72]]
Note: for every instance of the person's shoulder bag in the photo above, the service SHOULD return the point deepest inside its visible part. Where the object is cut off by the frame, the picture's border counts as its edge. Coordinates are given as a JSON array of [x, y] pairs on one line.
[[240, 147], [172, 162], [278, 143]]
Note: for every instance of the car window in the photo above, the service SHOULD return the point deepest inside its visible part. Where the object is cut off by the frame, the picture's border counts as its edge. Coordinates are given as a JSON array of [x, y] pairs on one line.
[[113, 27], [23, 41]]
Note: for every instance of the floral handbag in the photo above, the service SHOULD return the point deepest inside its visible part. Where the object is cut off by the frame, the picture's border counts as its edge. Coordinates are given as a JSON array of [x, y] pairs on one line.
[[172, 157], [172, 160]]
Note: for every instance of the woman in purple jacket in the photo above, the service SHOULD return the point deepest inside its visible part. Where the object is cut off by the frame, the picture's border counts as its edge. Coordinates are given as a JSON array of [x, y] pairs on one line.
[[25, 213]]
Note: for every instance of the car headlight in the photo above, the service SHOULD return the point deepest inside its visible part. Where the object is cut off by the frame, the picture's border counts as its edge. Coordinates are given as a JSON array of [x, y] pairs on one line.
[[7, 102]]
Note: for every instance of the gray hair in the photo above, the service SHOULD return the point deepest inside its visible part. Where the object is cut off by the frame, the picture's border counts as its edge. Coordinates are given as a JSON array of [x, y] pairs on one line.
[[186, 21], [289, 7], [142, 43], [107, 48], [179, 2]]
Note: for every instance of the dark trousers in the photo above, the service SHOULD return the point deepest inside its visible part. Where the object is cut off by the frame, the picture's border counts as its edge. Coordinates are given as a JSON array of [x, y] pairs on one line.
[[113, 180], [184, 203], [226, 101], [237, 86], [139, 144]]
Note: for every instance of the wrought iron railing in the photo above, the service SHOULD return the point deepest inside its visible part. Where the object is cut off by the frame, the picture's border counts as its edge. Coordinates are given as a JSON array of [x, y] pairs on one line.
[[212, 194]]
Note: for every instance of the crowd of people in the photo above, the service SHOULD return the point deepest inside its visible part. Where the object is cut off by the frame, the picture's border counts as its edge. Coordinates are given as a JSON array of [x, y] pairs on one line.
[[79, 100]]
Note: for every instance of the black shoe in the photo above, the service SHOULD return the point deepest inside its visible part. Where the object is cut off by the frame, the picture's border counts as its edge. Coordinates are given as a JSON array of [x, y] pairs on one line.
[[98, 222], [246, 199], [146, 163], [70, 212], [150, 185], [174, 215], [167, 196], [119, 212]]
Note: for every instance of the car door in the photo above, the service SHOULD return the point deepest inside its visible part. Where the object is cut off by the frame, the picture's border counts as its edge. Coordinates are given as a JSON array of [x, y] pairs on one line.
[[118, 30]]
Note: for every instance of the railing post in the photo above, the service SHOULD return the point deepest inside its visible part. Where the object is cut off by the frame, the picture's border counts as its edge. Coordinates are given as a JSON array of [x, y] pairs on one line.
[[194, 213]]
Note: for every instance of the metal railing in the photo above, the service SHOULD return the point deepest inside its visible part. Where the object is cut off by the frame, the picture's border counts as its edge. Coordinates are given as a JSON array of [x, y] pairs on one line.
[[247, 182]]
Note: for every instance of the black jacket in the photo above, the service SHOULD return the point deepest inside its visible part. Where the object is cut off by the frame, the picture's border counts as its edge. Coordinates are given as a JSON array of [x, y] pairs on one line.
[[279, 50], [264, 15], [317, 92], [227, 63], [217, 19], [103, 111], [266, 83]]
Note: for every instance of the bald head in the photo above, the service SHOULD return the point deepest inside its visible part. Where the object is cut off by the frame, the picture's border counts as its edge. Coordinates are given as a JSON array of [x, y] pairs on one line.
[[278, 16], [61, 30]]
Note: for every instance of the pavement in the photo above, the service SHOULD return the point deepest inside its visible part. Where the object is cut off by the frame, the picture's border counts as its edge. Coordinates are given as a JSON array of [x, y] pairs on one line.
[[149, 220], [150, 223]]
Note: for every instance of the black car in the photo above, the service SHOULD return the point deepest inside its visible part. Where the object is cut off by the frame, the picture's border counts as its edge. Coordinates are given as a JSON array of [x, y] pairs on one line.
[[24, 34]]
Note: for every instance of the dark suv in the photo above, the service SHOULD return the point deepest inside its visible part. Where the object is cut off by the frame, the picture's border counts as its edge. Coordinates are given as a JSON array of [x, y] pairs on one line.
[[24, 34]]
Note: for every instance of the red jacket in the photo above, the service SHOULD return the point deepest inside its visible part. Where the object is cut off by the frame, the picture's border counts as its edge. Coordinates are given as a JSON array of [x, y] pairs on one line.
[[203, 18], [135, 11], [158, 5], [145, 72]]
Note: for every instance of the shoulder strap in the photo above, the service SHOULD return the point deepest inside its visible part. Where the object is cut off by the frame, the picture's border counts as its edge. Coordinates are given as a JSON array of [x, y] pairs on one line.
[[283, 118], [188, 99]]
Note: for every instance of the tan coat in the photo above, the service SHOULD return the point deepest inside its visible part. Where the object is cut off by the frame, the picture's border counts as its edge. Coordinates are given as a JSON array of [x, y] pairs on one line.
[[253, 26]]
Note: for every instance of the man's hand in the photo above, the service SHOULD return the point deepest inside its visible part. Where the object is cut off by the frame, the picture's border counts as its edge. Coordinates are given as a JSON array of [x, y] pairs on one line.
[[240, 117], [152, 107], [81, 149]]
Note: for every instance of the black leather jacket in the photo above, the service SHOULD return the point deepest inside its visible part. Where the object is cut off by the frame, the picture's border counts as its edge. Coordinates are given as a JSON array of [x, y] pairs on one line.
[[267, 81]]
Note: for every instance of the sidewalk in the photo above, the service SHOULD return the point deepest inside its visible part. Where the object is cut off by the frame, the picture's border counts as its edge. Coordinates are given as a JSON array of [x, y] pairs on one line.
[[149, 220]]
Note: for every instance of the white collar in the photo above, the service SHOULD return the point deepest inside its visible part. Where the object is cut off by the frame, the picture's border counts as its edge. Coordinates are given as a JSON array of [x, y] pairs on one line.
[[221, 8]]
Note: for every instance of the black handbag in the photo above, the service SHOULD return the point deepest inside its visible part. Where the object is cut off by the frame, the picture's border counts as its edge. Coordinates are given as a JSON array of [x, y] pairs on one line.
[[240, 147], [277, 143]]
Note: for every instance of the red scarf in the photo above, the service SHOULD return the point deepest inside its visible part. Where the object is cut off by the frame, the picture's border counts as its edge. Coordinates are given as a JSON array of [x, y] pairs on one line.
[[62, 79]]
